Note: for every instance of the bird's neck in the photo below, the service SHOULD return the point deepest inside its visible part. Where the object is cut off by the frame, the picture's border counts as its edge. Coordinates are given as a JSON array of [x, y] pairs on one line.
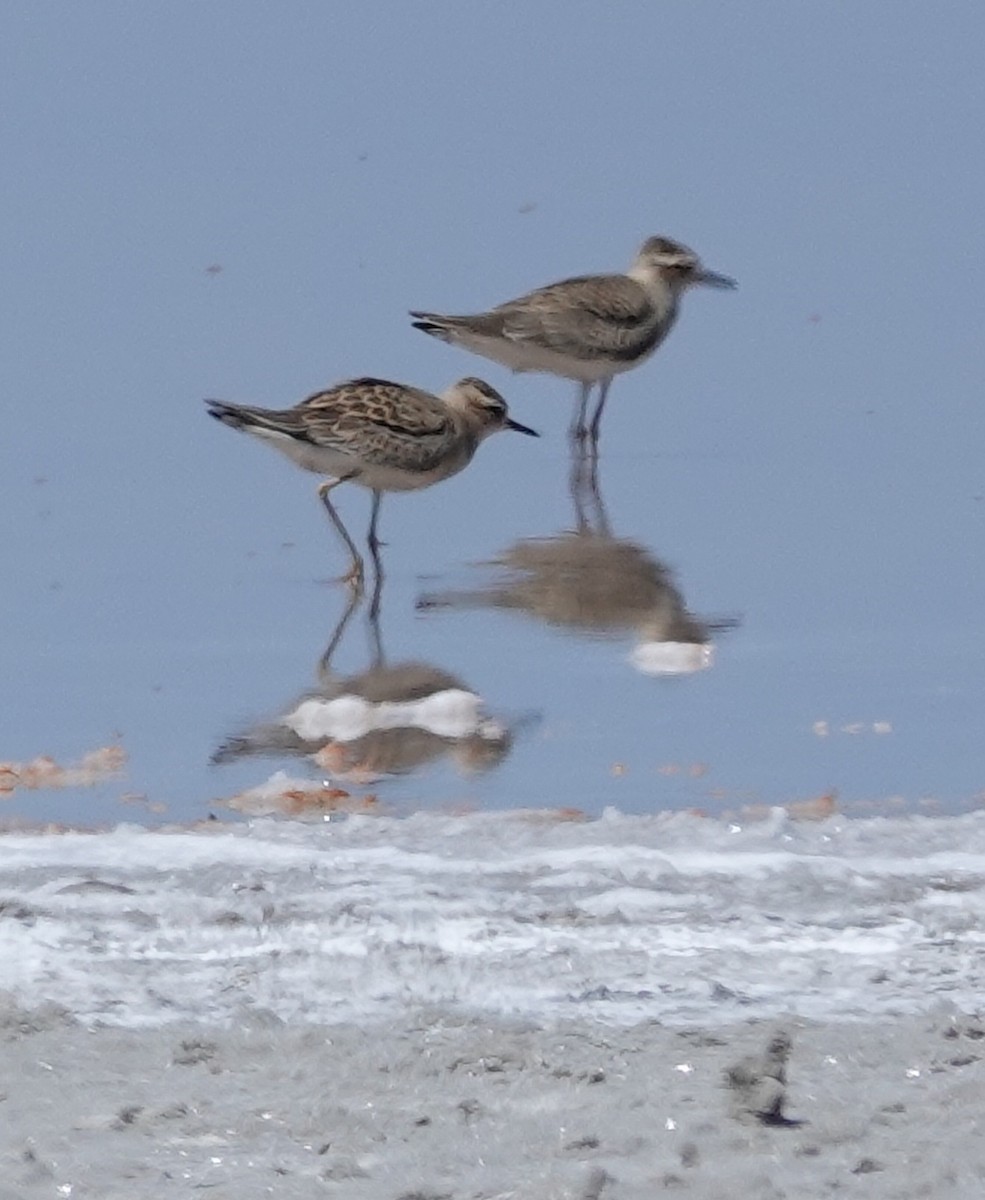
[[663, 296], [465, 425]]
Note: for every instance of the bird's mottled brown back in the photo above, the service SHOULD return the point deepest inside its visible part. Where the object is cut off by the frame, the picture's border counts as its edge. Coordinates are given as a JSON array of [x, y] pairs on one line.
[[372, 418]]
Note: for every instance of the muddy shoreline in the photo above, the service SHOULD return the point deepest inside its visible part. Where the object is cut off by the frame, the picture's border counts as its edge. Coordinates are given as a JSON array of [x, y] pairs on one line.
[[443, 1105]]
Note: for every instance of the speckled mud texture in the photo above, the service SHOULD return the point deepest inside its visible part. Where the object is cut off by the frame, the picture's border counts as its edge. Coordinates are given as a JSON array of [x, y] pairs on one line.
[[443, 1106]]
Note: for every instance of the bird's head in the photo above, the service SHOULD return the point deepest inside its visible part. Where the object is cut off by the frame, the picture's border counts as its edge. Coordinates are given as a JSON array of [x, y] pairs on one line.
[[483, 407], [675, 265]]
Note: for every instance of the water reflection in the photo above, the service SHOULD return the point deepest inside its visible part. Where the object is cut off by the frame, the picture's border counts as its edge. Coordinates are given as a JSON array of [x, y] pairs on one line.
[[383, 721], [587, 580]]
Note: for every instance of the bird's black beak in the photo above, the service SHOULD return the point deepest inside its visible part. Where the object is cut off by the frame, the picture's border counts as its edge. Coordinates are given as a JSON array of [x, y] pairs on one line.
[[511, 424], [713, 279]]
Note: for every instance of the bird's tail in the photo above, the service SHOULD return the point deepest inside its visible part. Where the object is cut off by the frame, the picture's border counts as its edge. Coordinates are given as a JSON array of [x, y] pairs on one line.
[[243, 416], [437, 325]]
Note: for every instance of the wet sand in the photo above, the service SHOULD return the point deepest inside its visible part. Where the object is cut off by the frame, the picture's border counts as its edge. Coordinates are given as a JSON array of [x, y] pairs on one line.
[[441, 1105]]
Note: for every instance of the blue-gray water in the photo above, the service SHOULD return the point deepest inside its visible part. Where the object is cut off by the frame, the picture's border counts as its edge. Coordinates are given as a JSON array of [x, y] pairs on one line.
[[198, 207]]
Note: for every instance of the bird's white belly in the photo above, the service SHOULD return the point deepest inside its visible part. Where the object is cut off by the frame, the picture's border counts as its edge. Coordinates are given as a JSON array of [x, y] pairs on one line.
[[529, 357], [334, 464], [322, 460]]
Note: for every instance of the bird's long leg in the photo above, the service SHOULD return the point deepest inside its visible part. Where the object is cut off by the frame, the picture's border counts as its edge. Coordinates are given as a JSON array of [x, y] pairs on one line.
[[593, 432], [373, 539], [578, 431], [354, 575], [374, 549]]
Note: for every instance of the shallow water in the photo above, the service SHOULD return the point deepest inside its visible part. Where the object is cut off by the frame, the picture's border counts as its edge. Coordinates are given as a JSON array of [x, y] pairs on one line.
[[794, 480], [657, 640]]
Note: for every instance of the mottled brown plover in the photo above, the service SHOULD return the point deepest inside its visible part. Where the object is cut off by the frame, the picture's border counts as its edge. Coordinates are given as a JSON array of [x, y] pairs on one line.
[[388, 437]]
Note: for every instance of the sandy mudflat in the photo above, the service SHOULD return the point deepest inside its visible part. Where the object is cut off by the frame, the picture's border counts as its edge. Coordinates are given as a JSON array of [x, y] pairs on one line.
[[495, 1006], [439, 1105]]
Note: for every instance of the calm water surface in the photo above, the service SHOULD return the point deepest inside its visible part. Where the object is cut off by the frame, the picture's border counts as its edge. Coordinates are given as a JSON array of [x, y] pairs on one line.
[[671, 630], [773, 590]]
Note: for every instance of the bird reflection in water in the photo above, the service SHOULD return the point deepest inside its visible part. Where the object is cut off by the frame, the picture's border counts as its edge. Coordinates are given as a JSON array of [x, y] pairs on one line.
[[385, 721], [586, 580]]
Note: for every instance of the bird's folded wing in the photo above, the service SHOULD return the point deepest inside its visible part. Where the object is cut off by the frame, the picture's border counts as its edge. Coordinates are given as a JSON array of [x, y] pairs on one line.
[[368, 416], [581, 316]]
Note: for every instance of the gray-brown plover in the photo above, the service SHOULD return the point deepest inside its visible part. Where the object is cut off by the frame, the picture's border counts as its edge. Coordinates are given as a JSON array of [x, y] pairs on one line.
[[589, 328]]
